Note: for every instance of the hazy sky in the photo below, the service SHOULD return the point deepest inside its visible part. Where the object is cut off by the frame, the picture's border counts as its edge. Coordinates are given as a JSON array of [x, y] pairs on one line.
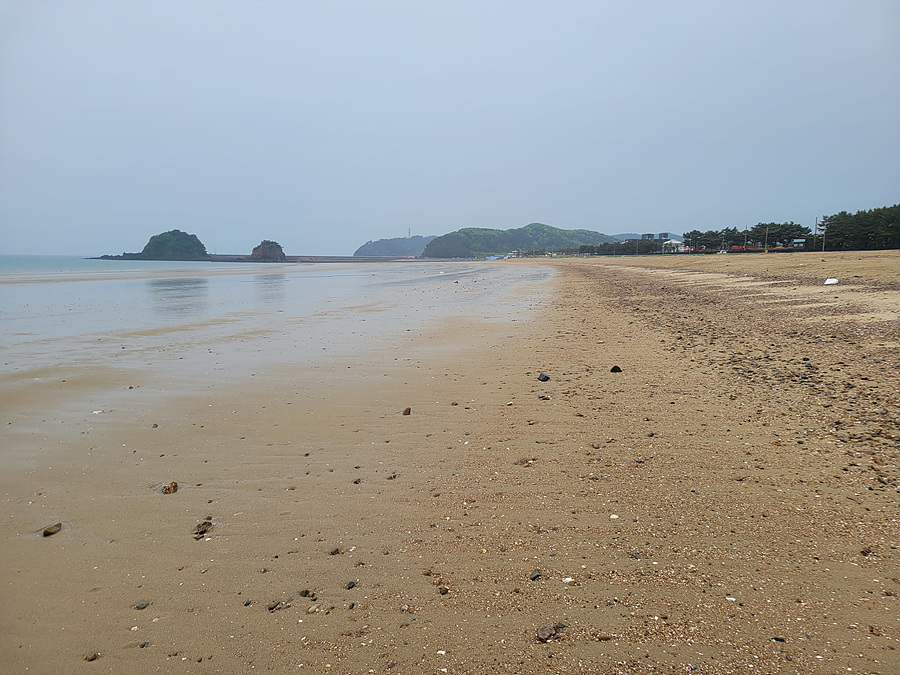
[[326, 124]]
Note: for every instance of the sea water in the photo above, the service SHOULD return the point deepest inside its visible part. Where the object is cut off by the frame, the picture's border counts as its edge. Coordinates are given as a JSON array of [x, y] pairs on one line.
[[192, 320]]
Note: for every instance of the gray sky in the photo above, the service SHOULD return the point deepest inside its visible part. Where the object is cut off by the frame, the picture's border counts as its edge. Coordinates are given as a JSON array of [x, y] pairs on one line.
[[326, 124]]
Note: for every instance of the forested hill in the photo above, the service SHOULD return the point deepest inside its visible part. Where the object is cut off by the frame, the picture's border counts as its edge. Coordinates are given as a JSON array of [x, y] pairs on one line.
[[397, 247], [477, 242], [171, 245]]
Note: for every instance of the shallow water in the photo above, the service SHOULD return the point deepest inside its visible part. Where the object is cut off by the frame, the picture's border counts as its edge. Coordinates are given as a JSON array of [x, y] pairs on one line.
[[137, 315]]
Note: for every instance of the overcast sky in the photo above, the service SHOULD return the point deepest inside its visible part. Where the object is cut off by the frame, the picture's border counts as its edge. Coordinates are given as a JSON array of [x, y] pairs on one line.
[[326, 124]]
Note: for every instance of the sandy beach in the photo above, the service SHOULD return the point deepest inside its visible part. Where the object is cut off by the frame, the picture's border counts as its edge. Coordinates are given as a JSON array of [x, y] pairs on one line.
[[727, 501]]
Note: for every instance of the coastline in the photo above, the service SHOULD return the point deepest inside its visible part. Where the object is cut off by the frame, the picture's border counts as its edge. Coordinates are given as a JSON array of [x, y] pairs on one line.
[[754, 494], [237, 258]]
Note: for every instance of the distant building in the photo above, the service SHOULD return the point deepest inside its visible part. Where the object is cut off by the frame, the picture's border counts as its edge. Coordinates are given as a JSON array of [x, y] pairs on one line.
[[673, 246], [660, 238]]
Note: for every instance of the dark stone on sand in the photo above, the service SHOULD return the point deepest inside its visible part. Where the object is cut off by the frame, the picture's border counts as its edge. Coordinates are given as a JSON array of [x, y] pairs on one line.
[[142, 605], [535, 575], [615, 369], [778, 638], [357, 481], [203, 527], [545, 633], [50, 530], [543, 377], [247, 603], [407, 411], [335, 551], [350, 585], [443, 590], [144, 644]]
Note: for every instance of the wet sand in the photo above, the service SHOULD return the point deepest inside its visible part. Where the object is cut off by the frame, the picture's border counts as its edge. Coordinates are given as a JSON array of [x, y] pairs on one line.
[[728, 502]]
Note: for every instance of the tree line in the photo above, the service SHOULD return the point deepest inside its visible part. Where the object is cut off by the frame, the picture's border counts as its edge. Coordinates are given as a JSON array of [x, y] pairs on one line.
[[873, 229], [761, 235]]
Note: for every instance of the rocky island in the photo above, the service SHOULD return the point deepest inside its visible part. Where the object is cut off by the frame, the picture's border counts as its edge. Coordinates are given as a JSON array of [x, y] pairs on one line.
[[178, 245], [171, 245], [268, 251]]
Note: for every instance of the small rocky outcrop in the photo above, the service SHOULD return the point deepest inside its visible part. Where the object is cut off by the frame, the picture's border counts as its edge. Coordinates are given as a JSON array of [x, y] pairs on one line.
[[268, 251]]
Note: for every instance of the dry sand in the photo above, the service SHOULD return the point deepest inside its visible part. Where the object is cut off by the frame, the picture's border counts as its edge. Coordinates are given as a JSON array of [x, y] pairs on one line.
[[728, 502]]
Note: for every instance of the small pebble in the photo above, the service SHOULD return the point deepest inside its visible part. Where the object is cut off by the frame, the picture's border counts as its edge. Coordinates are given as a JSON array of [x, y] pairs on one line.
[[50, 530], [545, 633]]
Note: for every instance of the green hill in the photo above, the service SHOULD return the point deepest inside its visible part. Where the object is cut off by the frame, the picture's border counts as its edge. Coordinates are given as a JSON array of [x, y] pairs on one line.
[[171, 245], [174, 245], [397, 247], [477, 242]]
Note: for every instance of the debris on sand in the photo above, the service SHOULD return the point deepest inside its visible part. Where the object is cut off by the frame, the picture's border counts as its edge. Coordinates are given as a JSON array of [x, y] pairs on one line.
[[203, 527], [547, 633], [50, 530]]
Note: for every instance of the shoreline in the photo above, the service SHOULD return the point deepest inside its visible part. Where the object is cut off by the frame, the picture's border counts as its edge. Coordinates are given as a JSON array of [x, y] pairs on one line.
[[754, 494], [229, 258]]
